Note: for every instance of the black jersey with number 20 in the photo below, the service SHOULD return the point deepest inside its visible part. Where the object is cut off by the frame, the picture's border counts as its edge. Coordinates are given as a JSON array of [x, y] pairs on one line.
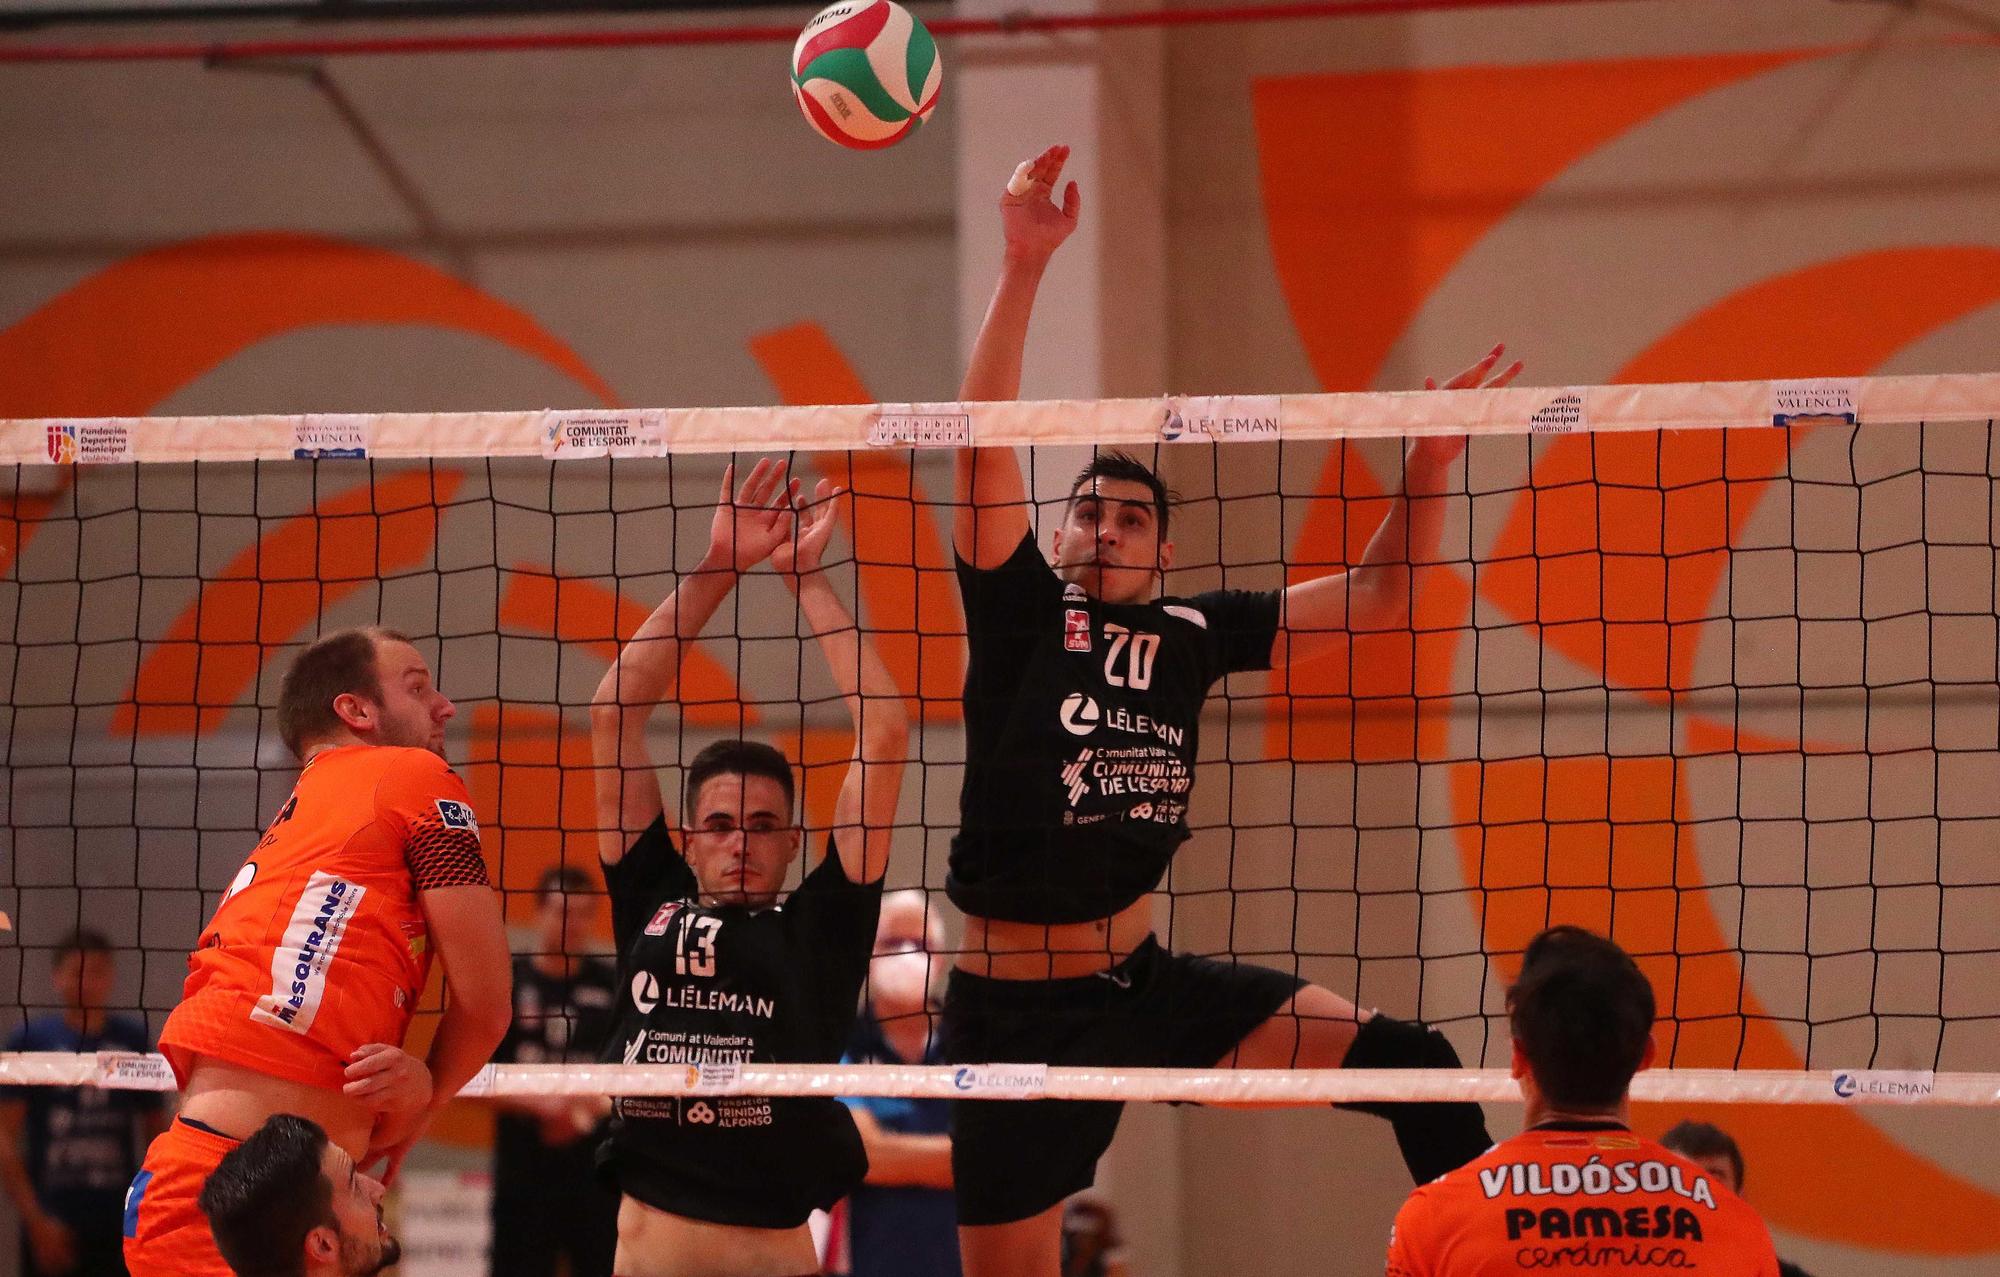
[[721, 985], [1082, 721]]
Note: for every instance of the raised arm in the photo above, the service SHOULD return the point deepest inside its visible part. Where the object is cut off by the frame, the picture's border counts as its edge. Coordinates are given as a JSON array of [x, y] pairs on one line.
[[747, 525], [864, 816], [992, 498], [1375, 593]]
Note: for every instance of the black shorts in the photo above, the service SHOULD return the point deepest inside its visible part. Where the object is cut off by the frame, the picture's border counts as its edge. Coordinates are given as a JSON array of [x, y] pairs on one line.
[[1011, 1159]]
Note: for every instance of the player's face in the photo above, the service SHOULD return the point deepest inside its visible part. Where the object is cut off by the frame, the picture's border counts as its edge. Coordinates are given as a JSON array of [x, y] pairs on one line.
[[84, 980], [740, 839], [364, 1246], [1718, 1166], [1109, 542], [564, 920], [413, 711]]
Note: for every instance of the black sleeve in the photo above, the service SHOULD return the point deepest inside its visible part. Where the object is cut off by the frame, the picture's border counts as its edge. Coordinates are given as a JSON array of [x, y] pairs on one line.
[[1242, 625], [651, 873], [836, 919], [1004, 601]]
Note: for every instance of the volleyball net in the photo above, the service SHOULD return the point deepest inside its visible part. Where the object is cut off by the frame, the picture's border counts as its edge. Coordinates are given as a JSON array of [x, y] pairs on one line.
[[1709, 668]]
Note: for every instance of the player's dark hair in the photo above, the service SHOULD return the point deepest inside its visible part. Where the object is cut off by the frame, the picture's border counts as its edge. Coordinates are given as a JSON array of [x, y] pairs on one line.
[[82, 940], [566, 880], [1112, 463], [736, 758], [335, 664], [1581, 1013], [265, 1196], [1699, 1139]]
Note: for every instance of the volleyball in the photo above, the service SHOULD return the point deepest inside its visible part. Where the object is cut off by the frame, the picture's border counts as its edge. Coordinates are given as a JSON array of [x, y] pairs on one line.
[[866, 73]]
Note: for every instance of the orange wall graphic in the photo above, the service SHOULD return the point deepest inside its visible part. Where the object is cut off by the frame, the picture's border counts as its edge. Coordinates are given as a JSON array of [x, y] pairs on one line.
[[1428, 164]]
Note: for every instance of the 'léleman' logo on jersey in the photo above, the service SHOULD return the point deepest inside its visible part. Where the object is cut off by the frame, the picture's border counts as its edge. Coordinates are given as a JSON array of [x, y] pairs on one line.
[[645, 992], [1080, 714], [456, 815]]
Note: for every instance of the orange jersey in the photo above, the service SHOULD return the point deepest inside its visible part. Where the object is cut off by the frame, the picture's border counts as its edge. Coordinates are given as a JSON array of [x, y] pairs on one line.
[[1584, 1198], [319, 945]]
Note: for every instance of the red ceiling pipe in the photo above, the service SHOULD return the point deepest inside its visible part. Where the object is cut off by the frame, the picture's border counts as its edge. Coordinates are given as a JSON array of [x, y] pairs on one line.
[[508, 42]]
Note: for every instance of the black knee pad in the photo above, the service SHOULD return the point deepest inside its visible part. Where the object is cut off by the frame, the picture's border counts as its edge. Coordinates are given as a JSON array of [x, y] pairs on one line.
[[1385, 1043]]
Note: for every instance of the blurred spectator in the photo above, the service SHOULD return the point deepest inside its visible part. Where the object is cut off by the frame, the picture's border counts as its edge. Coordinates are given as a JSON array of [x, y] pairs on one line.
[[67, 1154], [1091, 1246], [1714, 1150], [901, 1222], [548, 1202]]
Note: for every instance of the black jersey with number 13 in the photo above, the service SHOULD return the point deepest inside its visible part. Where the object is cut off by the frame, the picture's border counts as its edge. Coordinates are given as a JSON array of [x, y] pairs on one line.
[[1082, 727], [731, 985]]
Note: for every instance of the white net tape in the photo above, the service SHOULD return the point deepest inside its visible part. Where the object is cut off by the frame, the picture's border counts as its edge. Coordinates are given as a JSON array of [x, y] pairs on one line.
[[126, 1071], [643, 432]]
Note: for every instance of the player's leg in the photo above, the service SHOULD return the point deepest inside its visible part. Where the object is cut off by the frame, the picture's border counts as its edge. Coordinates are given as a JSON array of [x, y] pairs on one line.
[[1030, 1247], [1014, 1161], [1319, 1029], [1313, 1029]]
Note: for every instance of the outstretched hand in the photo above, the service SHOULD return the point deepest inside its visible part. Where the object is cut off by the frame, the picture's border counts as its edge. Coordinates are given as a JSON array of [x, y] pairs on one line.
[[1035, 227], [811, 527], [1423, 465], [753, 521]]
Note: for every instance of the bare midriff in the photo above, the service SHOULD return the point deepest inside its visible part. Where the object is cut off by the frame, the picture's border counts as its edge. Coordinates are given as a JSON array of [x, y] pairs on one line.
[[656, 1243], [1053, 951], [235, 1101]]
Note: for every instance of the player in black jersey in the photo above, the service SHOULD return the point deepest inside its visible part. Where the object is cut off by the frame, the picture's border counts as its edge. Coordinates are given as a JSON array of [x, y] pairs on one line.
[[1083, 697], [714, 968]]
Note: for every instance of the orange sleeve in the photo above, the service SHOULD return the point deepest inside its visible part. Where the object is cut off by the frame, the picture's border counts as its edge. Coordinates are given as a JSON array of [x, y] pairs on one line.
[[1407, 1238], [424, 804]]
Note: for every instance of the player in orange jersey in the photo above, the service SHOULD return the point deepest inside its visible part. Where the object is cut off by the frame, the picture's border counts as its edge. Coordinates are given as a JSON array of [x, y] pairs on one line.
[[1577, 1191], [303, 985]]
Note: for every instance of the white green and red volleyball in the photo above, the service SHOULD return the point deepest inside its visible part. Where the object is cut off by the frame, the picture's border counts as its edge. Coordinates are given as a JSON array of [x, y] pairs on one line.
[[866, 73]]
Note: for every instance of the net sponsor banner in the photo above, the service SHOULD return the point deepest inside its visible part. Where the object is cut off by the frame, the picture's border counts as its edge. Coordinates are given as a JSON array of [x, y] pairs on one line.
[[1035, 1081], [584, 433]]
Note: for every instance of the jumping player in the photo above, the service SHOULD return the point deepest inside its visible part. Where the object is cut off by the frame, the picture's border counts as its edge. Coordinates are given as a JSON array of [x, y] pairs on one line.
[[715, 967], [305, 980], [1577, 1191], [1082, 702]]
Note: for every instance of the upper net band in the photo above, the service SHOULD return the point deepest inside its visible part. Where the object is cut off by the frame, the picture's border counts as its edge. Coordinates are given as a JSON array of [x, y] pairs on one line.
[[1711, 668], [579, 433]]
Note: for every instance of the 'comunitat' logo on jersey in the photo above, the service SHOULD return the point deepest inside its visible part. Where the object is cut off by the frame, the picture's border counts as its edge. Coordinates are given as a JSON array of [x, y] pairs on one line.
[[645, 992], [1080, 715]]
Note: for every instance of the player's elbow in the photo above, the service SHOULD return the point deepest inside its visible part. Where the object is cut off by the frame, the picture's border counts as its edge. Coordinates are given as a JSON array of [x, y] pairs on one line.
[[885, 731], [604, 702], [1382, 599]]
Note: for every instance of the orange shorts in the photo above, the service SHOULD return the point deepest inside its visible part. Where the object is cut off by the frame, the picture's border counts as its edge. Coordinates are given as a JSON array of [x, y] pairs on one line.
[[166, 1235]]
